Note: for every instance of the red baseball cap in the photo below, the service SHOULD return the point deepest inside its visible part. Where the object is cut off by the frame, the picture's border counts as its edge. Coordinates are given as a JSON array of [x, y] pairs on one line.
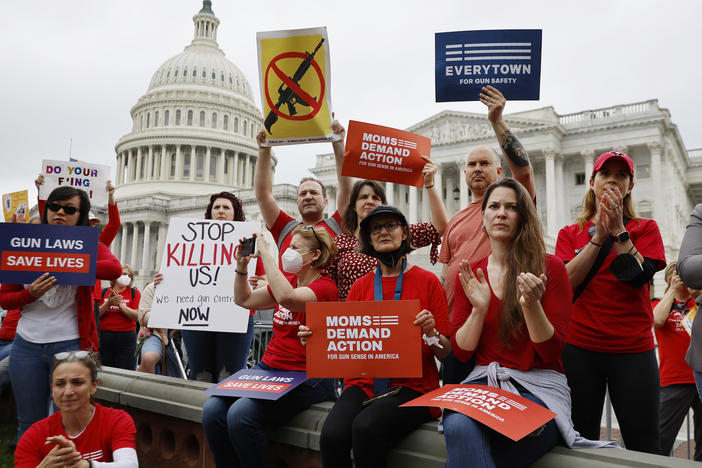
[[604, 157]]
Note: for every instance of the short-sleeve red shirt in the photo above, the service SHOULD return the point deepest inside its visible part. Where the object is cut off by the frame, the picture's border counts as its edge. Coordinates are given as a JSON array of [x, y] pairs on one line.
[[114, 319], [673, 341], [284, 351], [109, 430], [612, 316]]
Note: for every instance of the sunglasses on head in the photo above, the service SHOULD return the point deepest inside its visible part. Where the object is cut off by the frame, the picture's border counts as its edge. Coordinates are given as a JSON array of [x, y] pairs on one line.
[[71, 355], [311, 228], [55, 207]]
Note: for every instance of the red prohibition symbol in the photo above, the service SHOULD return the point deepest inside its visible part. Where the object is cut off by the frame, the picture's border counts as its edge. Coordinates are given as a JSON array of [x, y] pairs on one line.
[[287, 81]]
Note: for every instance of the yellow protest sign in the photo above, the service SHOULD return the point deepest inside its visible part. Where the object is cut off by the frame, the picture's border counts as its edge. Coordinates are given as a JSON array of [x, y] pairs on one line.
[[16, 203], [295, 84]]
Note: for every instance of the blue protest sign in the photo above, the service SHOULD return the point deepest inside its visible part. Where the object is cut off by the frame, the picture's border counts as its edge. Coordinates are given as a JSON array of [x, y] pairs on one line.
[[258, 383], [509, 60], [67, 252]]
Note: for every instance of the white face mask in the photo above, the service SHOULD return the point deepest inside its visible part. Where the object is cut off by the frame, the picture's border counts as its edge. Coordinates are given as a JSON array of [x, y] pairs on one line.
[[292, 261], [124, 280]]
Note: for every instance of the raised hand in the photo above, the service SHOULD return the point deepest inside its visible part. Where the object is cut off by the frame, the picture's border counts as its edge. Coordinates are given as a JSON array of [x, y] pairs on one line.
[[475, 286], [428, 171], [495, 102]]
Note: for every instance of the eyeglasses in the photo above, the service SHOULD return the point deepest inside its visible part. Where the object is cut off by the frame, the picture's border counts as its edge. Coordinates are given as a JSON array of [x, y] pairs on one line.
[[311, 228], [389, 226], [55, 207], [71, 355]]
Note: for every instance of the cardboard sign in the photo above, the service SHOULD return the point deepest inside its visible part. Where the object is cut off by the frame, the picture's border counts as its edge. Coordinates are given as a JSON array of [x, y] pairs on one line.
[[258, 383], [364, 339], [386, 154], [295, 85], [89, 177], [509, 60], [509, 414], [198, 266], [29, 250], [16, 203]]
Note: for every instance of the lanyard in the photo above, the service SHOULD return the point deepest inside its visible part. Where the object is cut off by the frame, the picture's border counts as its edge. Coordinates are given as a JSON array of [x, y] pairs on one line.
[[378, 289]]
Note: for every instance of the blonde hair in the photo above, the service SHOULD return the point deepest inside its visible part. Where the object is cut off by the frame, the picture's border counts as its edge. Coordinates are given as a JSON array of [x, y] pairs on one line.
[[130, 271], [670, 270], [318, 238]]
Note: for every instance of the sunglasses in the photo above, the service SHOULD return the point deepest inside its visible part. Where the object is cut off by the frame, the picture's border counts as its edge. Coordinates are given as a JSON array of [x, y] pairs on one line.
[[72, 355], [389, 226], [311, 228], [55, 207]]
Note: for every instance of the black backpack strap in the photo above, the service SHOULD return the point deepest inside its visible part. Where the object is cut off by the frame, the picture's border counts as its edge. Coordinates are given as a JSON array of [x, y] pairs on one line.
[[601, 256], [104, 290], [287, 229]]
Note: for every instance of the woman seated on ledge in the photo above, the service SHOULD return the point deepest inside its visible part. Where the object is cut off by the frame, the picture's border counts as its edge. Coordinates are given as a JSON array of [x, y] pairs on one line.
[[82, 434], [235, 427], [511, 312]]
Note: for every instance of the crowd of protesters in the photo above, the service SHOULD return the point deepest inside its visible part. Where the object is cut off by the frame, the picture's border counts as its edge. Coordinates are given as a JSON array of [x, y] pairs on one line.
[[561, 330]]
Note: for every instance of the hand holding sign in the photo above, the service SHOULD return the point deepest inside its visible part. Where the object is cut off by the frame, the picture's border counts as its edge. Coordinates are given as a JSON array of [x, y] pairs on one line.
[[495, 102], [303, 332], [428, 172], [41, 285]]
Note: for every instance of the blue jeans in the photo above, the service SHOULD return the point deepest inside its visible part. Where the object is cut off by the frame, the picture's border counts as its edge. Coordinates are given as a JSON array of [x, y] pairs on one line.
[[31, 365], [117, 349], [214, 356], [471, 442], [235, 427], [698, 382], [5, 347]]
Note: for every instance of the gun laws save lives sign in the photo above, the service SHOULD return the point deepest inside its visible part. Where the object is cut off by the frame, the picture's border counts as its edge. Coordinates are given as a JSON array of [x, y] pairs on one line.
[[198, 266], [364, 339]]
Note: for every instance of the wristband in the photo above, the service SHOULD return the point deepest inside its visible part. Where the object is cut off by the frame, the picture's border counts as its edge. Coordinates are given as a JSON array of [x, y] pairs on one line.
[[242, 273], [595, 243], [429, 186], [433, 340]]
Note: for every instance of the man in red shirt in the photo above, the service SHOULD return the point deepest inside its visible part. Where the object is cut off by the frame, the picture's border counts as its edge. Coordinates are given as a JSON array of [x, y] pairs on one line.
[[311, 195], [464, 238]]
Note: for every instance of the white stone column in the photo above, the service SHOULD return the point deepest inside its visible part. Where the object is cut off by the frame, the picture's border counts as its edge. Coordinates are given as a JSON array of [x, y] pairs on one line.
[[123, 248], [234, 170], [246, 176], [425, 206], [656, 150], [146, 255], [462, 186], [390, 193], [560, 195], [137, 173], [193, 162], [150, 163], [114, 247], [120, 169], [439, 183], [162, 233], [135, 245], [164, 162], [220, 166], [589, 160], [331, 197], [551, 202], [412, 205], [179, 164], [206, 170]]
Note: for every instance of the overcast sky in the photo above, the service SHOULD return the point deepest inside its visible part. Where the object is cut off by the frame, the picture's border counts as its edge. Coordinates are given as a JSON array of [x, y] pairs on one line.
[[72, 69]]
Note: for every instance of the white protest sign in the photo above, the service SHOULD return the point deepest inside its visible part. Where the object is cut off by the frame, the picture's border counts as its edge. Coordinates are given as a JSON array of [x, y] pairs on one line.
[[198, 266], [86, 176]]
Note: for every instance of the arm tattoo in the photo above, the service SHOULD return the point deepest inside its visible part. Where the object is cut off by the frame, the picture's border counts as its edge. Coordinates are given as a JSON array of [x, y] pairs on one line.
[[514, 150]]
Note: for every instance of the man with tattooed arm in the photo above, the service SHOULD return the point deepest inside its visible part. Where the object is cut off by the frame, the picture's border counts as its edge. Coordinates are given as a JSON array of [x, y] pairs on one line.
[[464, 238]]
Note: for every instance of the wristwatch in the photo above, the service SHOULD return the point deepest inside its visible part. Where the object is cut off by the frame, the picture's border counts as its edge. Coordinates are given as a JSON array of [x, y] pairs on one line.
[[621, 237]]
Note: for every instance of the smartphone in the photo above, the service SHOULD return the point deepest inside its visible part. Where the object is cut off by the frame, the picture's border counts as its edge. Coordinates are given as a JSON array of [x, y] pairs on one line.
[[248, 246]]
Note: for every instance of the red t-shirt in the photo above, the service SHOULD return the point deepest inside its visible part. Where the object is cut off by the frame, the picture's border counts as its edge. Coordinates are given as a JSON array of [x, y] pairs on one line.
[[277, 229], [9, 325], [673, 342], [612, 316], [114, 319], [284, 351], [523, 354], [417, 283], [109, 430]]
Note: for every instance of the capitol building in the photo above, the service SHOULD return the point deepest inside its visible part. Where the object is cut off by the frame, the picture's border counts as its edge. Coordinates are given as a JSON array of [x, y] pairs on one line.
[[193, 134]]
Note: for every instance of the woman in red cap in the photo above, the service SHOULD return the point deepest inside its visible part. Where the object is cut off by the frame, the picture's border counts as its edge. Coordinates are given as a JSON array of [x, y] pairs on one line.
[[611, 255]]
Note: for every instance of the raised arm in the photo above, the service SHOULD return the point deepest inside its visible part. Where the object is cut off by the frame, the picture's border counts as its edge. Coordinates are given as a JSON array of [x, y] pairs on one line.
[[345, 183], [263, 182], [439, 218], [110, 230], [515, 154], [664, 306]]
